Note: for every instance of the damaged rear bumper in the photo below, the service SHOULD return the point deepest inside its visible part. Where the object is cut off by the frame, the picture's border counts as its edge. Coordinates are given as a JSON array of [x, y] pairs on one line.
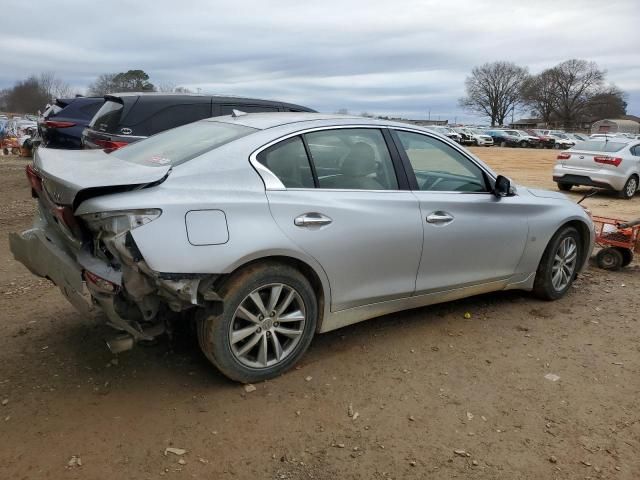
[[36, 251]]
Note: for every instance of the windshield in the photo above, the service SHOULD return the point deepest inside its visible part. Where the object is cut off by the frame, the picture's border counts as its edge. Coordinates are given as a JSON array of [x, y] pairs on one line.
[[600, 146], [181, 144]]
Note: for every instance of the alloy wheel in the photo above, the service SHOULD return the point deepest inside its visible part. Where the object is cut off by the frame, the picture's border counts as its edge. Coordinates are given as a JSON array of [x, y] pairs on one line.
[[632, 186], [267, 326], [564, 263]]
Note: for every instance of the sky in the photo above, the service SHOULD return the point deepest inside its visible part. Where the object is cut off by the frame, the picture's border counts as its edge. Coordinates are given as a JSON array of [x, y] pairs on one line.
[[406, 58]]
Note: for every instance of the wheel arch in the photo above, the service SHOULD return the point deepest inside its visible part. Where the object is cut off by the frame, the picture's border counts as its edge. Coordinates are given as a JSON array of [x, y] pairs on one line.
[[585, 237], [318, 279]]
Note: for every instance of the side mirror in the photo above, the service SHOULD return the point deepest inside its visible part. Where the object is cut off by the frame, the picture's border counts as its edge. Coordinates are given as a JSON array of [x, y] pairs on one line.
[[502, 187]]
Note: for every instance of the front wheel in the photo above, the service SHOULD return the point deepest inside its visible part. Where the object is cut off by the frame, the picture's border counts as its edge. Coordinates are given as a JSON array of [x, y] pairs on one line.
[[268, 319], [630, 188], [559, 265], [523, 144], [565, 187]]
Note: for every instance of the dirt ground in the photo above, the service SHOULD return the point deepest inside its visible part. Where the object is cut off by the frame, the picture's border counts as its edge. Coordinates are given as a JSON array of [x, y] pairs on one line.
[[434, 395]]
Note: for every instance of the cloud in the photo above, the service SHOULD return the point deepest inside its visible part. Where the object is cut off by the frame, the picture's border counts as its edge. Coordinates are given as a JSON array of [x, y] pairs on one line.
[[391, 58]]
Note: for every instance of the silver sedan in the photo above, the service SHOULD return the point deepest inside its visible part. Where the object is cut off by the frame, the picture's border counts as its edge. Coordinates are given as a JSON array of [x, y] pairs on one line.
[[265, 229]]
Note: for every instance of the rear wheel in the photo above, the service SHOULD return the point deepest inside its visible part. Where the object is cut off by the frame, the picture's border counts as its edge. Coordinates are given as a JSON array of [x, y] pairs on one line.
[[523, 144], [503, 144], [565, 187], [630, 188], [559, 265], [267, 322], [610, 258]]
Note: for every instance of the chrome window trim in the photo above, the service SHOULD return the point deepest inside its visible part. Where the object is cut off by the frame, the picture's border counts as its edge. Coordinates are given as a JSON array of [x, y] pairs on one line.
[[273, 183]]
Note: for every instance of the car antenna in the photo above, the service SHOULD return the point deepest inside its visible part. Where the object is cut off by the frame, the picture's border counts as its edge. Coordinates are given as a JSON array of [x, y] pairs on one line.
[[237, 113]]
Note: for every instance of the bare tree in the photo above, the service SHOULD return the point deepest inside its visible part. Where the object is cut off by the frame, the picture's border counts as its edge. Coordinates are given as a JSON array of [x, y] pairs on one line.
[[539, 92], [494, 90], [170, 87], [26, 96], [182, 90], [102, 85], [576, 82], [54, 86]]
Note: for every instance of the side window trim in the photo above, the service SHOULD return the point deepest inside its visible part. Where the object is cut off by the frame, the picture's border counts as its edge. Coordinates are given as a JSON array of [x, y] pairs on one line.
[[488, 178]]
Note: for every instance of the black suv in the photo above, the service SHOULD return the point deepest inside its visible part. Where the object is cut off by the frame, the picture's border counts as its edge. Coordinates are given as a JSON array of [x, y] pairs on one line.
[[62, 123], [128, 117]]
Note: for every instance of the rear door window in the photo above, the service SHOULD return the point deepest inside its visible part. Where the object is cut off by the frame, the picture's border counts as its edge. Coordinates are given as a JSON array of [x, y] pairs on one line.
[[352, 159], [177, 115], [108, 117]]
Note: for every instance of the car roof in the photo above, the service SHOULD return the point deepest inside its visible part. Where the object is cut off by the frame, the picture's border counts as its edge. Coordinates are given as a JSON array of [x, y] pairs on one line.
[[203, 96], [263, 121]]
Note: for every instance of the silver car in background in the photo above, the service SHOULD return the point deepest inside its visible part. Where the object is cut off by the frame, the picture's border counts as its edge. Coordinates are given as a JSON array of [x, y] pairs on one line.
[[612, 163], [266, 229]]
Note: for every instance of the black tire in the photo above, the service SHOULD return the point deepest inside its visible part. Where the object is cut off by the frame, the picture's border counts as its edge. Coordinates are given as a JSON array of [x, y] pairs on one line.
[[565, 187], [557, 146], [543, 286], [628, 191], [609, 258], [214, 325], [627, 256], [523, 144], [503, 144]]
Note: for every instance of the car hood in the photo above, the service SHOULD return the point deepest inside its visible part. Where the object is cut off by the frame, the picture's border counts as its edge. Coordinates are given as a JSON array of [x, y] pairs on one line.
[[541, 193], [65, 173]]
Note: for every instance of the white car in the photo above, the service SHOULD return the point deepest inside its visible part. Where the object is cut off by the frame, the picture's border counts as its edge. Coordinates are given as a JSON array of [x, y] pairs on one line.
[[609, 163], [480, 138]]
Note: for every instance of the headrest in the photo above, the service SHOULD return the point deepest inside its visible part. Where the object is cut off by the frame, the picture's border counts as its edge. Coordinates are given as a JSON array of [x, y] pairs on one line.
[[360, 161]]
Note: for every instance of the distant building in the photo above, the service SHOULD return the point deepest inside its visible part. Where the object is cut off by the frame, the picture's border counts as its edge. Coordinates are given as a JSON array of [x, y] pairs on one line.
[[627, 124], [527, 123]]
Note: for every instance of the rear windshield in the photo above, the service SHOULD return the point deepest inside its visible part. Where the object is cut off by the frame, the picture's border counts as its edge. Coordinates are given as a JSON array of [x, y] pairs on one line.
[[599, 146], [108, 117], [181, 144]]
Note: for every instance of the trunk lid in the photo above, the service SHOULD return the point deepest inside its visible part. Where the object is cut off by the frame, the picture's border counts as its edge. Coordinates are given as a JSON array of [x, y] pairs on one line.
[[70, 176], [584, 160]]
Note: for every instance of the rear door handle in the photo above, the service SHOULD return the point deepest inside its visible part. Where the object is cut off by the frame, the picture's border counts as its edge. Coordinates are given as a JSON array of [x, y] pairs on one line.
[[439, 218], [312, 219]]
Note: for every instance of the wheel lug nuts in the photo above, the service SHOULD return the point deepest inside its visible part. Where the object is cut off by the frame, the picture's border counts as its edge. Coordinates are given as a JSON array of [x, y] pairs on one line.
[[268, 334], [260, 317], [276, 324], [273, 314]]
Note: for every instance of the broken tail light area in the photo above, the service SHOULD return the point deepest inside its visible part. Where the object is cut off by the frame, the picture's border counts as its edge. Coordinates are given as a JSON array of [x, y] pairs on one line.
[[110, 145], [97, 283], [120, 221], [607, 160]]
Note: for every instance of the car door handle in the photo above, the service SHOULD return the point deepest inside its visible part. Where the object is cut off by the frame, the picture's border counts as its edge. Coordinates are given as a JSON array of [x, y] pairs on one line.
[[312, 219], [439, 218]]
